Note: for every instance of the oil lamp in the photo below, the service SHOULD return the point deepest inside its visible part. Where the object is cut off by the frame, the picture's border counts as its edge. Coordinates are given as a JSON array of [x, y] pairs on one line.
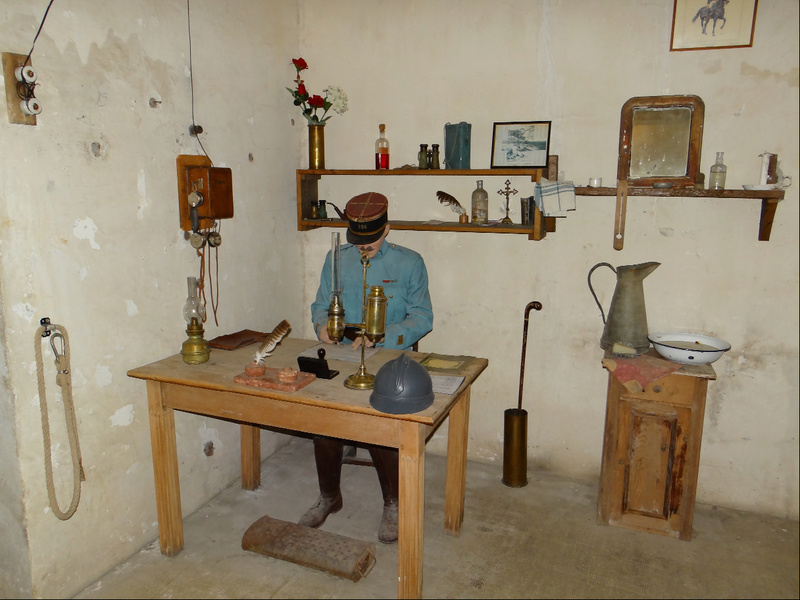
[[195, 350], [373, 321], [336, 309]]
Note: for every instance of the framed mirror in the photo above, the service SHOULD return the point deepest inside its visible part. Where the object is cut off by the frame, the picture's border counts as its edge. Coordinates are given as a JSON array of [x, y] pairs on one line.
[[660, 140]]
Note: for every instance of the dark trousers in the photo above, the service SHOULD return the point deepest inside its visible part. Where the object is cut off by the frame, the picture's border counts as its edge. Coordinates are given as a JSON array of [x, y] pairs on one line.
[[328, 453]]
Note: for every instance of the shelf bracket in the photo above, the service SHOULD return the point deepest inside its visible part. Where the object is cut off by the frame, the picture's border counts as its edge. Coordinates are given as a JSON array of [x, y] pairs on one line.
[[619, 215], [768, 208]]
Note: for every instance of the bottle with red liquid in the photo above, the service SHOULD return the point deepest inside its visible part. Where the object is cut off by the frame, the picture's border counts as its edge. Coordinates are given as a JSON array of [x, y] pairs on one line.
[[382, 150]]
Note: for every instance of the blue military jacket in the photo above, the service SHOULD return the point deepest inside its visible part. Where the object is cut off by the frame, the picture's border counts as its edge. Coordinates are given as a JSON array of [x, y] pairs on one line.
[[402, 274]]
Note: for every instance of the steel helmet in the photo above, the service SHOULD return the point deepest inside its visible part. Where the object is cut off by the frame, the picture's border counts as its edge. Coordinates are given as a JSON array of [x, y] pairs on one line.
[[402, 386]]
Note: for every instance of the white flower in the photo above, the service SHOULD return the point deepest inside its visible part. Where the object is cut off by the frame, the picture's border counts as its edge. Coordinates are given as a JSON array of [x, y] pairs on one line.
[[337, 97]]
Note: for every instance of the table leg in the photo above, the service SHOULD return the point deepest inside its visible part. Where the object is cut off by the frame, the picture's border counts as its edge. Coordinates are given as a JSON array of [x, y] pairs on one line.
[[411, 510], [250, 437], [165, 470], [456, 478]]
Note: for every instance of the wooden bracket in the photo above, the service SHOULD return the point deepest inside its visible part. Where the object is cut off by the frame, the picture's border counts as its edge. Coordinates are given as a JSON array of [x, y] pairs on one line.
[[619, 215]]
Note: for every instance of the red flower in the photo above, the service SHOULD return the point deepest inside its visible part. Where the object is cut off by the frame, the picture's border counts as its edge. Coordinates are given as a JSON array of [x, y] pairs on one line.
[[299, 64], [316, 101], [301, 89]]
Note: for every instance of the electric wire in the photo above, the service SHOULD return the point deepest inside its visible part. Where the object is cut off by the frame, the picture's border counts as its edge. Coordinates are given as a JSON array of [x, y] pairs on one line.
[[204, 265], [26, 89], [191, 81], [38, 32]]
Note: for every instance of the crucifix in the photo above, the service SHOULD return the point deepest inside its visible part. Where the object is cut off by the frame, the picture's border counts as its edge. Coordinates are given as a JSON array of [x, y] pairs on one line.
[[507, 192]]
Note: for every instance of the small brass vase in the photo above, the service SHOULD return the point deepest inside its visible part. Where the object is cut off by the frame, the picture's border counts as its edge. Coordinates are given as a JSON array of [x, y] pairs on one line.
[[316, 146]]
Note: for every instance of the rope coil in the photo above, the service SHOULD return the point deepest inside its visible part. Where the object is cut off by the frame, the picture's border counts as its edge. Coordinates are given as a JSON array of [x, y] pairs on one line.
[[64, 381]]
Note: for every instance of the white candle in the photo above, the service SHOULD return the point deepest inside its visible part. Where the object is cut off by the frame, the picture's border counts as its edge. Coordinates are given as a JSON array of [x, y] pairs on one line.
[[762, 180]]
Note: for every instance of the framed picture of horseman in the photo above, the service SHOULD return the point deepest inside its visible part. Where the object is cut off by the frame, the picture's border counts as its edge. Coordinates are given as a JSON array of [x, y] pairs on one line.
[[713, 24]]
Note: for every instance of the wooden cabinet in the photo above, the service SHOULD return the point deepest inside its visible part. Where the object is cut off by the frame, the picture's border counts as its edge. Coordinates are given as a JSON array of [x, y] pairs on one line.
[[651, 452]]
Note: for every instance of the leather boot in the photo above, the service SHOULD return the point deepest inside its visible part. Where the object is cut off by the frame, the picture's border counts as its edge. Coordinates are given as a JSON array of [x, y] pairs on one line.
[[328, 456], [386, 464]]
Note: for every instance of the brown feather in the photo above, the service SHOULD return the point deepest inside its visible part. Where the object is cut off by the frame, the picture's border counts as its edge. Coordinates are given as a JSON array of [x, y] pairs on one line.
[[450, 201], [272, 341]]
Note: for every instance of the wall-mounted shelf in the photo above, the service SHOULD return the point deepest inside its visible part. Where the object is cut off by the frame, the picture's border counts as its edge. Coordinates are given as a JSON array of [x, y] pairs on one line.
[[769, 202], [308, 192]]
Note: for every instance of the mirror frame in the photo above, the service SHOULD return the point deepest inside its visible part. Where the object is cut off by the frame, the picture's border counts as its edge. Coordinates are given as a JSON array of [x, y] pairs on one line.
[[697, 109]]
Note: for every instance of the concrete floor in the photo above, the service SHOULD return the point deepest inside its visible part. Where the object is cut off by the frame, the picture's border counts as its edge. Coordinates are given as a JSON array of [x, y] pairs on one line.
[[538, 541]]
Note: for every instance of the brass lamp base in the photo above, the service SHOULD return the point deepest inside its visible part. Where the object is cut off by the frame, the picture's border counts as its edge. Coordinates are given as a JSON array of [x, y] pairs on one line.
[[360, 381], [195, 350]]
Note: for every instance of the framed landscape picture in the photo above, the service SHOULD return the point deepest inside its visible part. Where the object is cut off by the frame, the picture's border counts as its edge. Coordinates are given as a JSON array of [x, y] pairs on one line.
[[713, 24], [521, 144]]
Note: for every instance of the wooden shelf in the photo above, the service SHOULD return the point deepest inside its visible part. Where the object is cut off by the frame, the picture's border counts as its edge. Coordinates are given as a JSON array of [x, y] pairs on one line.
[[308, 180], [769, 201], [308, 192], [433, 226], [425, 172]]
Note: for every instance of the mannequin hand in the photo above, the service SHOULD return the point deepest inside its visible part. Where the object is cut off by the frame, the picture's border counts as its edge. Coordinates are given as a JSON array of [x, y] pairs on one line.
[[323, 336], [357, 343]]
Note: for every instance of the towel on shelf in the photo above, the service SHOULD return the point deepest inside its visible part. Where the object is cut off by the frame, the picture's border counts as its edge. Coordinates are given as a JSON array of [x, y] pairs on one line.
[[554, 198], [636, 373]]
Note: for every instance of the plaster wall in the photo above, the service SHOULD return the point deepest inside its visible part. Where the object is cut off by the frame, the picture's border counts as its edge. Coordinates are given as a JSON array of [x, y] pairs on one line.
[[89, 231], [90, 237], [418, 65]]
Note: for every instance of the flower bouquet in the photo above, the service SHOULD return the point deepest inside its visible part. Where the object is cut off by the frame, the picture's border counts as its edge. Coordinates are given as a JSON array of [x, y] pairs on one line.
[[335, 98]]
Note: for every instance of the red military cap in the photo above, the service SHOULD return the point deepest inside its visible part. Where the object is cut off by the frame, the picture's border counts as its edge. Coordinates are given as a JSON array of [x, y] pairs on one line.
[[367, 215]]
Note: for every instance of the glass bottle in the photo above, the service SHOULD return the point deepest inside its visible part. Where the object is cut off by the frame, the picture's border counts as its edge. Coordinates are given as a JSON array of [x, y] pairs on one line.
[[422, 156], [322, 211], [480, 205], [382, 150], [718, 171], [435, 161]]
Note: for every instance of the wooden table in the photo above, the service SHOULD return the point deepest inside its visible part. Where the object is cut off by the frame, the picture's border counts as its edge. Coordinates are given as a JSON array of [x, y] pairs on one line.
[[324, 407]]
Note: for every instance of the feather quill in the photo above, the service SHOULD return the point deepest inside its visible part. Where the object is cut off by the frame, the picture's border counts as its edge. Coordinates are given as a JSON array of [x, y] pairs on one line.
[[450, 201], [272, 341]]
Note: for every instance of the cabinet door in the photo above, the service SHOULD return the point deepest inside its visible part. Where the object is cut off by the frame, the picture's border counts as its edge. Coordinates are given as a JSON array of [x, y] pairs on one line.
[[652, 452]]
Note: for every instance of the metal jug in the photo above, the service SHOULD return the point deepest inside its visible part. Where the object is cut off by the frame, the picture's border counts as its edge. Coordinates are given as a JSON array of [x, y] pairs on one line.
[[627, 318]]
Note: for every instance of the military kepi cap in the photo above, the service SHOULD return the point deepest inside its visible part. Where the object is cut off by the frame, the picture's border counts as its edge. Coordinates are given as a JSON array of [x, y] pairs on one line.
[[367, 215]]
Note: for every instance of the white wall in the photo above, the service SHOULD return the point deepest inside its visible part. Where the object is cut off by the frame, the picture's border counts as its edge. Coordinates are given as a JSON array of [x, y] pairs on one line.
[[94, 243], [415, 66]]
